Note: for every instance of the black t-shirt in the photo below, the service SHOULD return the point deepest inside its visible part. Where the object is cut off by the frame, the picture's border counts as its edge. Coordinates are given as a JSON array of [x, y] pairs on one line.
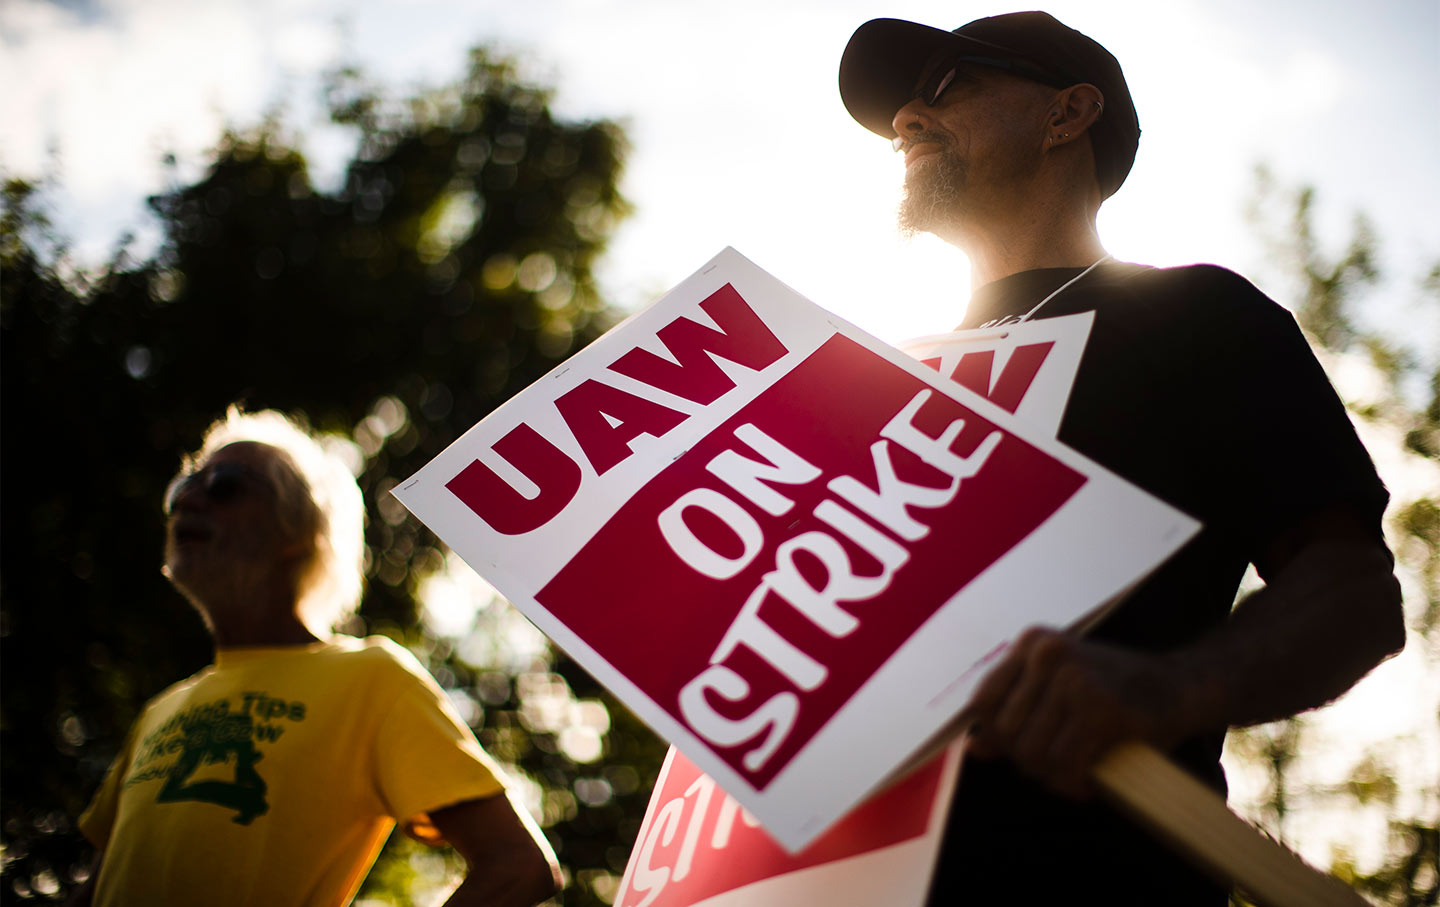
[[1199, 389]]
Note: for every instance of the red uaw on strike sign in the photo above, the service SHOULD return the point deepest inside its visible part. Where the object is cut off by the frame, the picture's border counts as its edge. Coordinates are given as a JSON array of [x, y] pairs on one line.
[[785, 545], [696, 848]]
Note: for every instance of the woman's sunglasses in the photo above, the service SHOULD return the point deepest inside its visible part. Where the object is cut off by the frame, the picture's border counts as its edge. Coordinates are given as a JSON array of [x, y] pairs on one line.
[[220, 483]]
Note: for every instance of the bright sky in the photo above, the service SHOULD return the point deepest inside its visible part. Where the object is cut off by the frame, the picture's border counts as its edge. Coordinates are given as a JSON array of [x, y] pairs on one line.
[[739, 137], [738, 132]]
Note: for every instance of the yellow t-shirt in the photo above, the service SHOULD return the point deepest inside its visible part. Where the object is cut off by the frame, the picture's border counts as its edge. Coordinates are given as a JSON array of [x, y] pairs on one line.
[[275, 775]]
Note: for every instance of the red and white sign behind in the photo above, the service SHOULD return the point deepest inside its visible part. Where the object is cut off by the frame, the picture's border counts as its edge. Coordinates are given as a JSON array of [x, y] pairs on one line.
[[1026, 368], [738, 512], [697, 845]]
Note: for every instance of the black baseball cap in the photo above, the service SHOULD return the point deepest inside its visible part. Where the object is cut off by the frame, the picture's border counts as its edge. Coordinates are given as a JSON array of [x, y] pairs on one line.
[[886, 58]]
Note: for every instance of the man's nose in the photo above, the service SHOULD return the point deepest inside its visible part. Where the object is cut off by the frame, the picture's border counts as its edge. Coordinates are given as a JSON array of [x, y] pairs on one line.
[[912, 118]]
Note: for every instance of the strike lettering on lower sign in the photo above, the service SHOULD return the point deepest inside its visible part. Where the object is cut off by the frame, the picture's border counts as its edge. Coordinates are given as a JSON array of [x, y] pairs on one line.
[[651, 878]]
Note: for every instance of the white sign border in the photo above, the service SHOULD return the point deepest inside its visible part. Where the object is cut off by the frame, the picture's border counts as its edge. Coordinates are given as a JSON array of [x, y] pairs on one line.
[[816, 788]]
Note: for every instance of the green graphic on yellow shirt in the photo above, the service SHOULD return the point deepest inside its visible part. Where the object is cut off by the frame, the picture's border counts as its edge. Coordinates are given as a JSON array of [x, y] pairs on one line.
[[209, 739]]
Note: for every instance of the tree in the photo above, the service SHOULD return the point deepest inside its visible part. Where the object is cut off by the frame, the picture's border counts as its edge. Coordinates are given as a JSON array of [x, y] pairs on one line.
[[1396, 405], [452, 268]]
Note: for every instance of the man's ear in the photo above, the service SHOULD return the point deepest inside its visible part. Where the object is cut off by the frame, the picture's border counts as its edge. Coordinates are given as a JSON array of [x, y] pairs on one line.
[[1074, 110]]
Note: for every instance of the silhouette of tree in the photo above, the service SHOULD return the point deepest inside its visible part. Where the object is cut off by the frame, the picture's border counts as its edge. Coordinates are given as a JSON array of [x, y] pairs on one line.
[[1398, 413], [452, 268]]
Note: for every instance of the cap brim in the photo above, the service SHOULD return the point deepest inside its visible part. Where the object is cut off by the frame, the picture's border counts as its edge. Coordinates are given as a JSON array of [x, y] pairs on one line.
[[883, 62]]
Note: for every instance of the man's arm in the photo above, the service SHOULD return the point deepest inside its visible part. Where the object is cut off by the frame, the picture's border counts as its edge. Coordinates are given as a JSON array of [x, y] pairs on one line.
[[510, 862], [1331, 612]]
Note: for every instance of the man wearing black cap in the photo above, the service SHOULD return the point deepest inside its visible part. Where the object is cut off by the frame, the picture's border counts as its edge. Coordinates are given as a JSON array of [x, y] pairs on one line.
[[1193, 386]]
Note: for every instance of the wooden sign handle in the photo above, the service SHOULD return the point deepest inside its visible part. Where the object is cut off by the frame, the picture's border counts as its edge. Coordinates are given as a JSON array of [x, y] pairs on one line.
[[1167, 800]]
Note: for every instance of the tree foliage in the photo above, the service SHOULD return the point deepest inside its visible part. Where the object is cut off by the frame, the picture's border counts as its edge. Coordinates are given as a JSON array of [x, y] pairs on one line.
[[1401, 409], [452, 268]]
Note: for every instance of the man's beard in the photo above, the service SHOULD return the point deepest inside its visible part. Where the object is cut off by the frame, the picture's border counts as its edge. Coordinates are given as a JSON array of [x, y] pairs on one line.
[[934, 189]]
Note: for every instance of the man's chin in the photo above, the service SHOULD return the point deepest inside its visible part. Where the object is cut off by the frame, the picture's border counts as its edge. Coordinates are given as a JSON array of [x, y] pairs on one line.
[[913, 220], [932, 200]]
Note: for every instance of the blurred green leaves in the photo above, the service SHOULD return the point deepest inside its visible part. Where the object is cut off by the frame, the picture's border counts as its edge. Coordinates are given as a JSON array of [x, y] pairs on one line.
[[1397, 406], [451, 267]]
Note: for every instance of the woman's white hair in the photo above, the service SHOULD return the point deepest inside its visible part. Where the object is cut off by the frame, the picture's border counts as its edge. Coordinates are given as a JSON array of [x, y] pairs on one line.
[[319, 501]]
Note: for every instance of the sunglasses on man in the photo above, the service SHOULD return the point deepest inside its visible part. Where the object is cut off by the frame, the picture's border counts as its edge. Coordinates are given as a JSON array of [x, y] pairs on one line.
[[933, 88]]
